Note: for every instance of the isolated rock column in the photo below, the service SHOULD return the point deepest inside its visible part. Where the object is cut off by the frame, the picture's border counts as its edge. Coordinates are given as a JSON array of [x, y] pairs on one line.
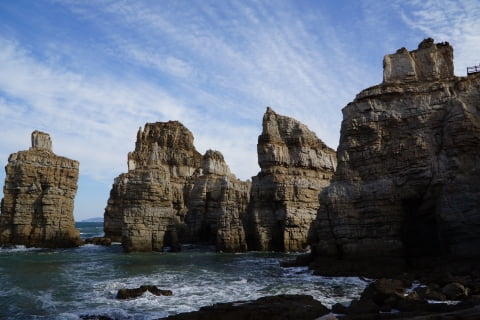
[[39, 192], [295, 166]]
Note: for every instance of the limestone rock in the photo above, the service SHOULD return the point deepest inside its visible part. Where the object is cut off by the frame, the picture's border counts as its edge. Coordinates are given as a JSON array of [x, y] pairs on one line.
[[147, 204], [407, 181], [171, 194], [217, 206], [429, 62], [295, 167], [39, 192]]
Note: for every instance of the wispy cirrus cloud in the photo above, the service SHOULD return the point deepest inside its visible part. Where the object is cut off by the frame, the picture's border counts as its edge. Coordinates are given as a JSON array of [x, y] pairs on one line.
[[91, 73], [455, 21]]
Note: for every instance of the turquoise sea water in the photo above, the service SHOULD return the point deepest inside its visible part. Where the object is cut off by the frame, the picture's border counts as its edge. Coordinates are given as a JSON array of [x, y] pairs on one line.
[[66, 283]]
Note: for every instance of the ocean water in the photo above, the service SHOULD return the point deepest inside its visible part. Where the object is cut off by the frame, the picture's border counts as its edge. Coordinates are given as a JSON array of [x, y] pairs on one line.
[[66, 283]]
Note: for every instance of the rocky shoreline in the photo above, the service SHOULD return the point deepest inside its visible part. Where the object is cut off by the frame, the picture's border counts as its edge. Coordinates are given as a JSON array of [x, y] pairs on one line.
[[399, 200]]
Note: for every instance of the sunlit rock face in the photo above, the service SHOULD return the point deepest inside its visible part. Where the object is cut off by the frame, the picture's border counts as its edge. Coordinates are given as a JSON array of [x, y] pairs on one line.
[[408, 177], [217, 206], [295, 167], [171, 194], [147, 205], [39, 192]]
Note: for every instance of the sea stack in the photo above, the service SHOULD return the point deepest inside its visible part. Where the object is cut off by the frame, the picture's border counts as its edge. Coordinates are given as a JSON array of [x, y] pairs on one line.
[[407, 185], [217, 206], [39, 192], [295, 166], [148, 204]]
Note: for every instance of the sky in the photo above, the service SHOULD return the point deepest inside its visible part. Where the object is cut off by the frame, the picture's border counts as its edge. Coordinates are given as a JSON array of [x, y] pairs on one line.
[[90, 73]]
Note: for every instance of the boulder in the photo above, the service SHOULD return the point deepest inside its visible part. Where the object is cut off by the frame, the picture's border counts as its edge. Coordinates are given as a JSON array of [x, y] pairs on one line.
[[281, 307], [99, 241], [455, 291], [123, 294], [39, 192]]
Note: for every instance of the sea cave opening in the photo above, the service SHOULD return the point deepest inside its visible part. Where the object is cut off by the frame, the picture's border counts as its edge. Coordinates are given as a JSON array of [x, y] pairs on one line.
[[420, 232]]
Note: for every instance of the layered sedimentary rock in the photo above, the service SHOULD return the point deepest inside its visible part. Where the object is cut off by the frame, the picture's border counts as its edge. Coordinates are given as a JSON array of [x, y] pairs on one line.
[[217, 206], [295, 167], [408, 177], [148, 203], [171, 194], [39, 192]]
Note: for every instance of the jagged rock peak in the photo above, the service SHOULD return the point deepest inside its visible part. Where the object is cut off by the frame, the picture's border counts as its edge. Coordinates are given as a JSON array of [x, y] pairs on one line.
[[214, 163], [41, 141], [165, 143], [429, 62], [287, 142], [39, 191]]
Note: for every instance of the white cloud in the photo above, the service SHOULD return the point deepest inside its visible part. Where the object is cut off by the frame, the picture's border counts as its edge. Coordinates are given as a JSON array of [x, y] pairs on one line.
[[456, 21]]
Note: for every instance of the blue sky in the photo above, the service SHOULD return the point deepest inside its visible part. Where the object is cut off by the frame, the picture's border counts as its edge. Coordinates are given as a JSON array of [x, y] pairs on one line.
[[91, 73]]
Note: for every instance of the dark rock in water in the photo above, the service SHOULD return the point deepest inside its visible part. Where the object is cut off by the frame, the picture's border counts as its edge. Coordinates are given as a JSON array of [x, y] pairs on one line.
[[455, 291], [384, 289], [95, 317], [99, 241], [429, 293], [282, 307], [137, 292]]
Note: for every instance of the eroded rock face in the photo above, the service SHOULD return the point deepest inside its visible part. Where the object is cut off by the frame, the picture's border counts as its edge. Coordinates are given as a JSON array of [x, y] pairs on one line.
[[39, 192], [218, 206], [295, 167], [172, 195], [148, 204], [407, 181], [429, 62]]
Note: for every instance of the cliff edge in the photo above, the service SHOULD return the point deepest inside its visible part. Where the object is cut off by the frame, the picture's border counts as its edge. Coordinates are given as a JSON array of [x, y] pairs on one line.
[[407, 185]]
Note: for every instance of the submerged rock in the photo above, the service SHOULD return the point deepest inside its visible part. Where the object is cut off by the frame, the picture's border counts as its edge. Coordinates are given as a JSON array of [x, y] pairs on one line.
[[407, 182], [99, 241], [123, 294], [39, 191]]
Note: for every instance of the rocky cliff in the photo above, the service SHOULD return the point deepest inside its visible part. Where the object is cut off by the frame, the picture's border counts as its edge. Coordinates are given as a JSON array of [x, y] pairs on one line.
[[295, 167], [39, 191], [147, 204], [408, 178], [172, 195], [217, 206]]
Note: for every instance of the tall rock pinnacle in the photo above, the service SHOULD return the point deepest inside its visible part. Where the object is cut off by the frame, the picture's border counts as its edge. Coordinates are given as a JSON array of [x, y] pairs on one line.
[[39, 191]]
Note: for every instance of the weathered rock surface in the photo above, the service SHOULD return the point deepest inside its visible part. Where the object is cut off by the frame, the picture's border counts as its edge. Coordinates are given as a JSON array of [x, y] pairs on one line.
[[123, 294], [99, 241], [279, 307], [148, 203], [217, 206], [407, 181], [171, 194], [39, 192], [295, 167]]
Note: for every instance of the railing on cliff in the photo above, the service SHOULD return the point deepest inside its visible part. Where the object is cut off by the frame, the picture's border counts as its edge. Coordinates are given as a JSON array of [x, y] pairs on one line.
[[472, 70]]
